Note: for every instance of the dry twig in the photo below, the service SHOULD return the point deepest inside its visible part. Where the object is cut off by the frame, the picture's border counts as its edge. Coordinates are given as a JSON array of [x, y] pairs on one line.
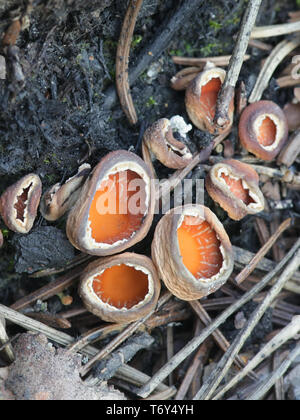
[[125, 372], [236, 62], [267, 384], [122, 337], [275, 30], [221, 61]]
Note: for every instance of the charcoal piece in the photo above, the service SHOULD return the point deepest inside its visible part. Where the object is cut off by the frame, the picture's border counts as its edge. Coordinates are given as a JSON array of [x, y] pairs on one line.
[[45, 247]]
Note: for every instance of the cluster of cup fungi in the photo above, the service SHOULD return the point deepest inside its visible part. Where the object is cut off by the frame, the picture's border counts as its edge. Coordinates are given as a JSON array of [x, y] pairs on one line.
[[191, 251]]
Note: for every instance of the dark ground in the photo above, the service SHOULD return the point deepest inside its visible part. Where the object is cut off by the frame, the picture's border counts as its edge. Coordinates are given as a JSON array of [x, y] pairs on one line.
[[55, 120]]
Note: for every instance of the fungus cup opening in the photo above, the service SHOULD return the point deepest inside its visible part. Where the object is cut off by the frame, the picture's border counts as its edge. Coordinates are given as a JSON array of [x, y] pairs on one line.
[[209, 96], [122, 286], [118, 207], [200, 247], [238, 187], [267, 132]]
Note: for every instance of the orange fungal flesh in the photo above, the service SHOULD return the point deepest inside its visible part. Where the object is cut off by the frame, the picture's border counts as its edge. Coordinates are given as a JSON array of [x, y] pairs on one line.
[[121, 286], [236, 187], [117, 213], [199, 247], [20, 205], [267, 132], [209, 96]]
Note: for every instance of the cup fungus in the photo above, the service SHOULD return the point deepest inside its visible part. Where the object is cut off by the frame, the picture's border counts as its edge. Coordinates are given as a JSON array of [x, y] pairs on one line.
[[192, 252], [122, 288], [263, 129], [115, 208], [1, 239], [235, 186], [165, 138], [19, 203], [201, 99], [60, 198]]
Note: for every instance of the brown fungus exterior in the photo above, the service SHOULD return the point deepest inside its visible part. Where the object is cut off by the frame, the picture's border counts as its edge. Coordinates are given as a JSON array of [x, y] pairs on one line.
[[19, 203], [263, 129], [234, 186], [115, 208], [1, 239], [121, 288], [159, 139], [60, 198], [192, 252], [201, 100]]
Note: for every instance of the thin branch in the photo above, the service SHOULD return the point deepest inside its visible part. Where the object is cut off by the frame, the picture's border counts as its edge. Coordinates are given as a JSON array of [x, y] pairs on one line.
[[275, 30], [262, 252], [226, 361], [47, 291], [217, 334], [272, 62], [267, 384], [4, 339], [236, 62], [164, 35], [125, 372], [290, 331], [190, 373], [169, 185], [221, 61], [122, 337]]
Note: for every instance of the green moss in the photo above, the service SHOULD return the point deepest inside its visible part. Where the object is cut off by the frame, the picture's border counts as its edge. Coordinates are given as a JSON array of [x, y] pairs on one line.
[[298, 3], [151, 102]]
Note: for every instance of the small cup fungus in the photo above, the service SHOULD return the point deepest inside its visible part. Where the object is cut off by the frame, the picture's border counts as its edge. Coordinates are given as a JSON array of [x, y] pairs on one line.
[[263, 129], [19, 203], [1, 239], [160, 139], [192, 252], [122, 288], [115, 207], [201, 99], [235, 186], [60, 198]]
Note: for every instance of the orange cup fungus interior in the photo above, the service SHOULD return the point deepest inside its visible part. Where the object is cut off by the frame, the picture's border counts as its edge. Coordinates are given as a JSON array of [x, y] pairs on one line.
[[209, 96], [237, 188], [199, 247], [267, 132], [121, 286], [115, 214]]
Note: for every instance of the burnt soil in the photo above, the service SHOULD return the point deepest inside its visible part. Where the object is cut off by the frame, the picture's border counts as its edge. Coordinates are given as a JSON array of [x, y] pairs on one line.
[[55, 119]]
